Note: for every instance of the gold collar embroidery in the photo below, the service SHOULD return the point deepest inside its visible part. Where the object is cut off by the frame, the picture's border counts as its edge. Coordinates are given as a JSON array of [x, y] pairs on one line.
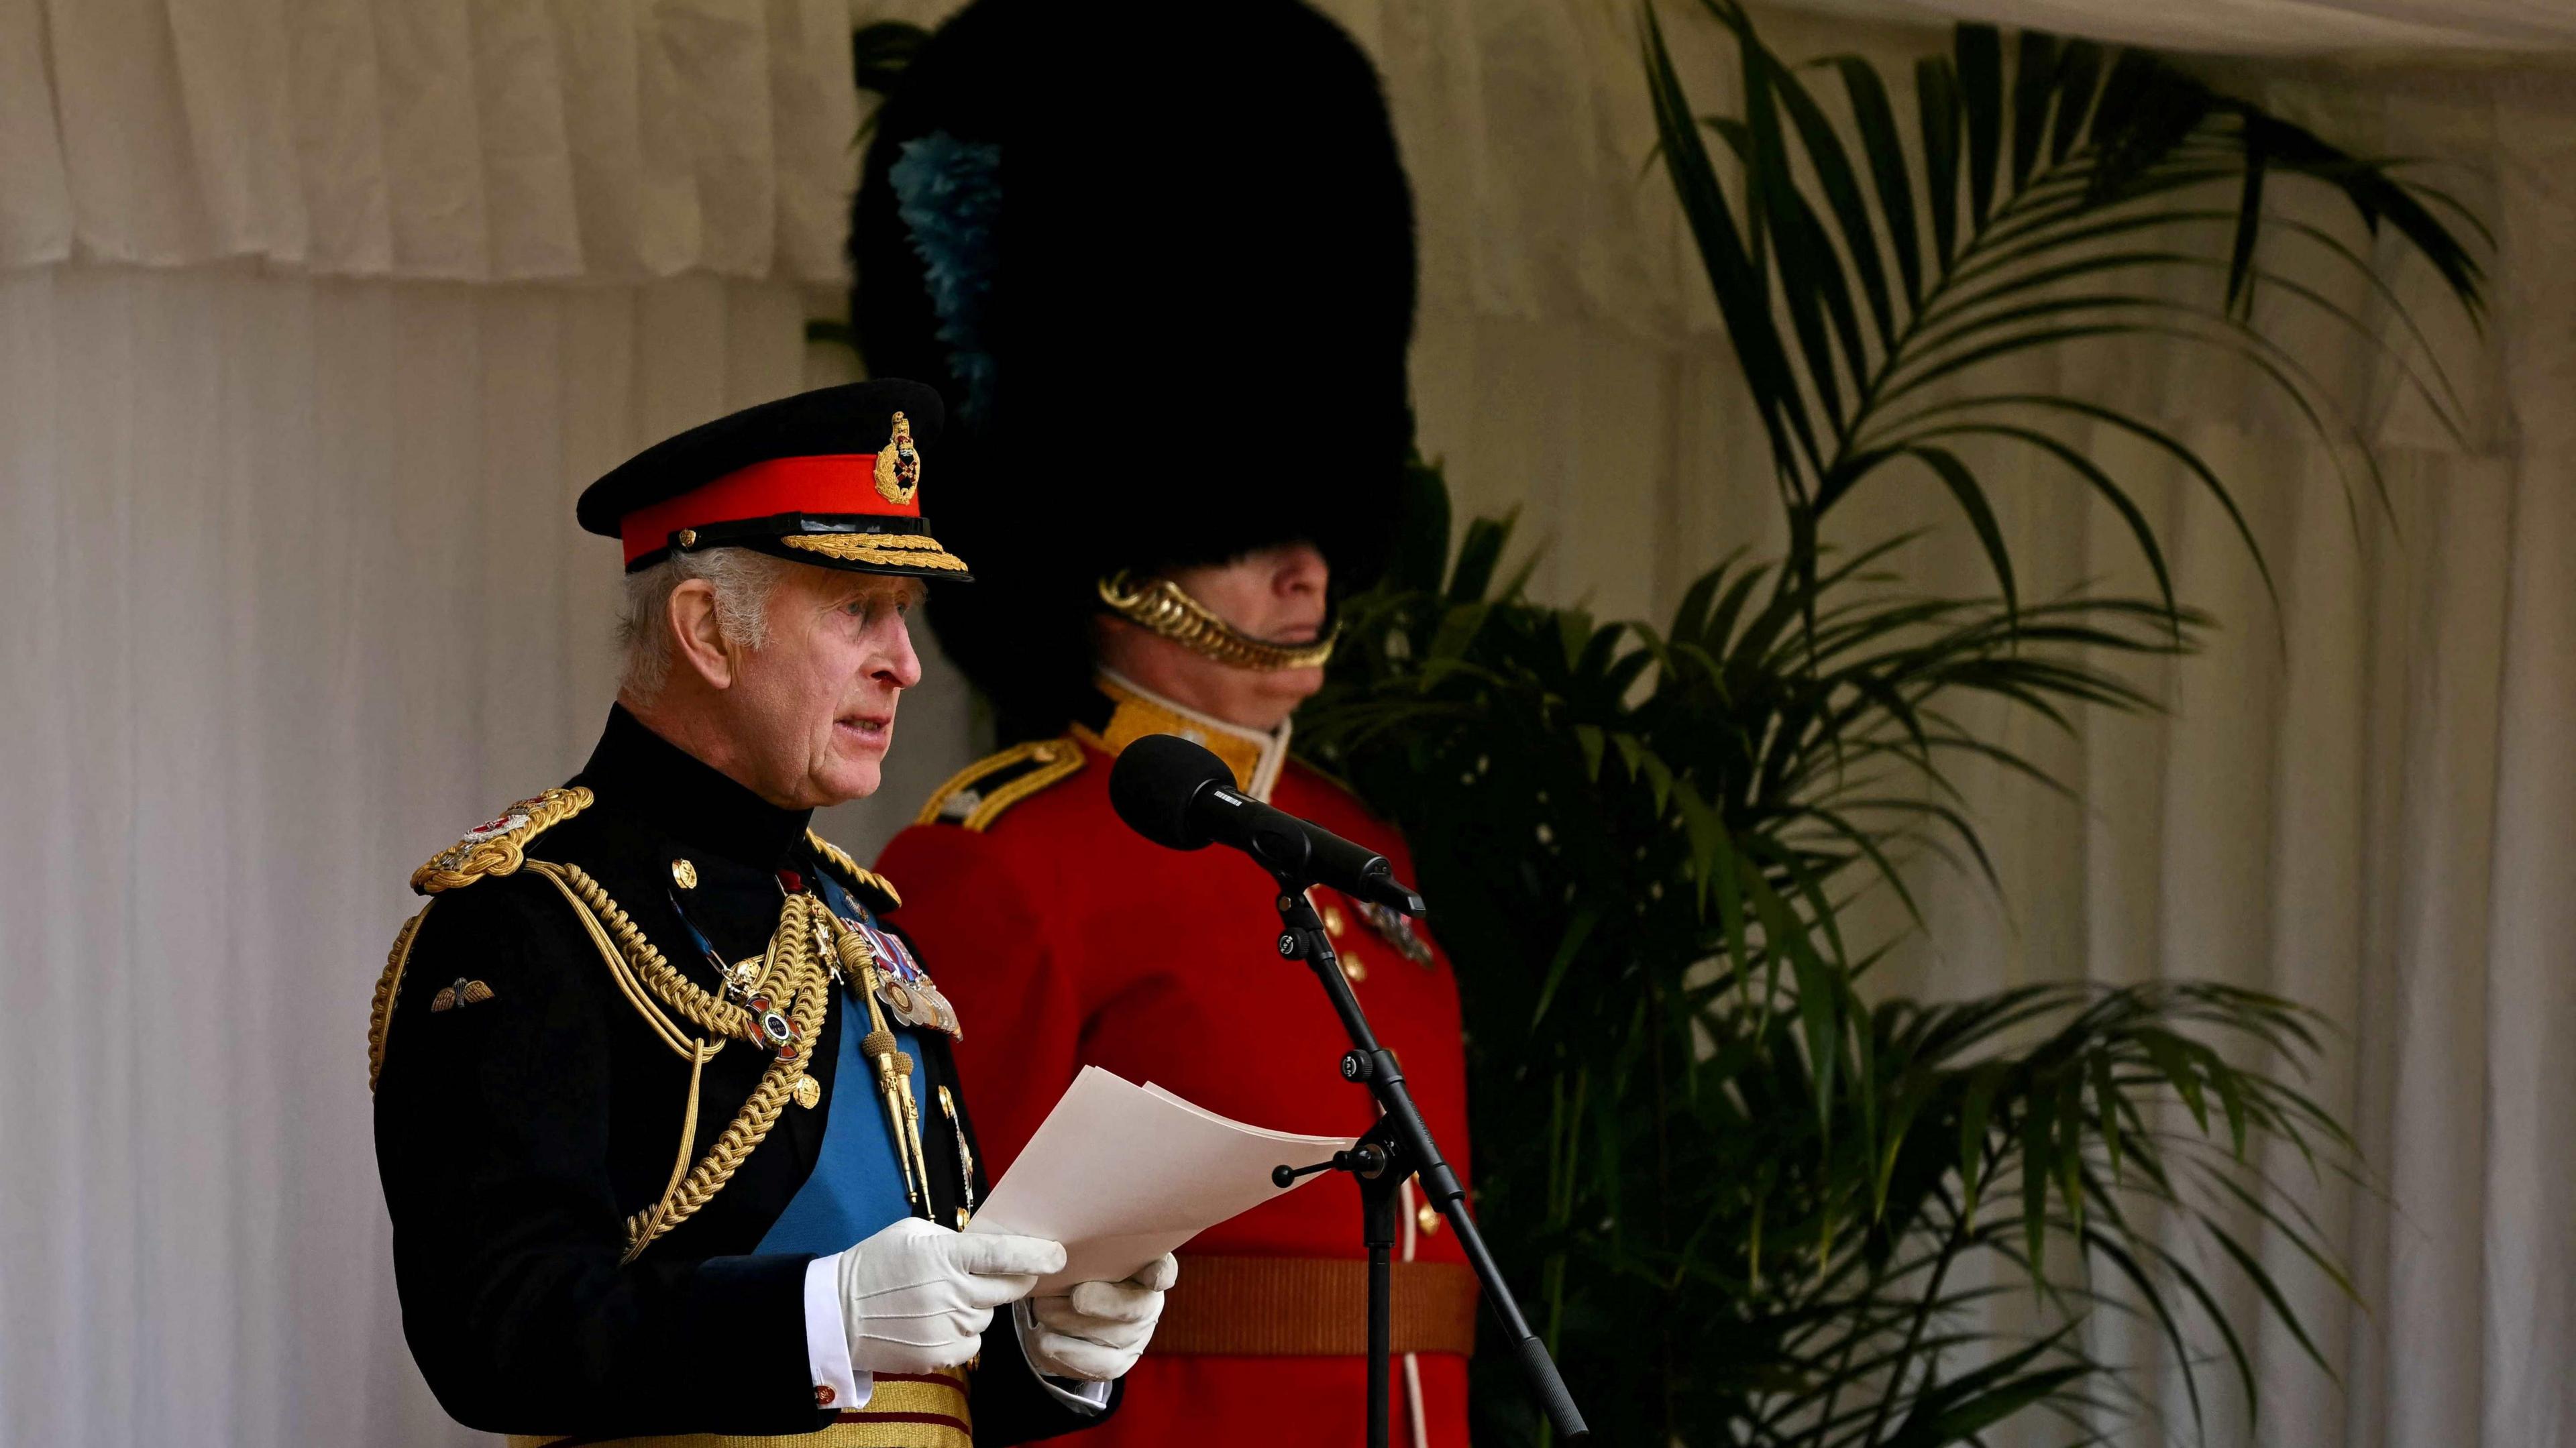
[[1255, 757]]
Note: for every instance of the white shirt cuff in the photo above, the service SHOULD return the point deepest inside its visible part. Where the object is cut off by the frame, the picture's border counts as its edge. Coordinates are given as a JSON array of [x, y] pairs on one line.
[[827, 1341], [1082, 1397]]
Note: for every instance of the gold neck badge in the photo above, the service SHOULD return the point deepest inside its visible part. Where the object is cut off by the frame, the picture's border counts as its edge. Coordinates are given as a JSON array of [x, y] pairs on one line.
[[1162, 608]]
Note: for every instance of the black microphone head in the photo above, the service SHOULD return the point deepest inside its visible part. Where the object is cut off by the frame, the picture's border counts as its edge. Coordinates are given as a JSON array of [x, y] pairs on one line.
[[1154, 783]]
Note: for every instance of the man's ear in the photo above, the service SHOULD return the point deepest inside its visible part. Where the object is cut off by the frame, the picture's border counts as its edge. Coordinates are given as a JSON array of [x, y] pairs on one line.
[[696, 634]]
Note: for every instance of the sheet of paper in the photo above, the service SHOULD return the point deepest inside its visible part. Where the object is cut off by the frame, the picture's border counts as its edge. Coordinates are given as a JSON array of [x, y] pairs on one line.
[[1121, 1174]]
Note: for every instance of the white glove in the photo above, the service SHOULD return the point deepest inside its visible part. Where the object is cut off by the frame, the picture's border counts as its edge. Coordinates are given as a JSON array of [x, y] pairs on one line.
[[917, 1296], [1097, 1331]]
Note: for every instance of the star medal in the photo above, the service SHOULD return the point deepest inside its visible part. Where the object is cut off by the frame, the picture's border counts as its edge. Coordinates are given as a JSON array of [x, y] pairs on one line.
[[775, 1028]]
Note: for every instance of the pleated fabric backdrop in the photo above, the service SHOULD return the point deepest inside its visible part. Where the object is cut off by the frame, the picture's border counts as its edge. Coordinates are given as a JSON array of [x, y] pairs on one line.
[[328, 311], [459, 139]]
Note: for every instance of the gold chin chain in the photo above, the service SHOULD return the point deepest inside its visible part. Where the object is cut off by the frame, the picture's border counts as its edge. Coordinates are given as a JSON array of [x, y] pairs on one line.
[[1164, 609]]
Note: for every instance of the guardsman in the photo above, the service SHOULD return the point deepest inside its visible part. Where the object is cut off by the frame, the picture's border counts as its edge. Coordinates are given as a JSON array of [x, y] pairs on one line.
[[1189, 438], [668, 1111]]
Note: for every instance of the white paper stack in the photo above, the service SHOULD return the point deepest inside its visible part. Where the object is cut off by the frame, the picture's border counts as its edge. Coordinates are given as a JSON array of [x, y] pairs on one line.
[[1121, 1174]]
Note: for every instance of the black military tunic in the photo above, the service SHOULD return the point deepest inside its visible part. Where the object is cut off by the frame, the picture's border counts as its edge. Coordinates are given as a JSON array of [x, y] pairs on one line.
[[526, 1110]]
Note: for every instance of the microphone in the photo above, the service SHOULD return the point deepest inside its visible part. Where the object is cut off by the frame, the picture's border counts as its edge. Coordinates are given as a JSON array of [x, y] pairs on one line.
[[1182, 797]]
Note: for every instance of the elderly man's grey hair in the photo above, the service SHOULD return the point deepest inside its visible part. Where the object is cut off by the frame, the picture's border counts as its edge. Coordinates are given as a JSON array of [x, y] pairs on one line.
[[742, 580]]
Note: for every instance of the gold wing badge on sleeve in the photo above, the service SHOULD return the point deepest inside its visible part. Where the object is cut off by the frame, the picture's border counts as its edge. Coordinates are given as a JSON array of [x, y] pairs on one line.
[[463, 993]]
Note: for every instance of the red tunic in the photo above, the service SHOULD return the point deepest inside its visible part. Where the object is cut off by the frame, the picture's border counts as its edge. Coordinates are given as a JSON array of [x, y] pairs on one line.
[[1065, 940]]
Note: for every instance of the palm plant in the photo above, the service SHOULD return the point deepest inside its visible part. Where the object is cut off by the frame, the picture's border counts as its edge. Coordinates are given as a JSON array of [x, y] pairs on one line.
[[2048, 201], [1749, 1188], [1760, 1201]]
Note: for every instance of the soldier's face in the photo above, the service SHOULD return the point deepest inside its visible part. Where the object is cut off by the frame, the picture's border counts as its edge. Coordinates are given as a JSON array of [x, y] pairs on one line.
[[1274, 594], [814, 708]]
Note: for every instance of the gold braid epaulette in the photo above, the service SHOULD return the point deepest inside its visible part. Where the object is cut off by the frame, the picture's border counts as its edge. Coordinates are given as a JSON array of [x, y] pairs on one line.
[[1048, 761], [839, 859], [499, 848]]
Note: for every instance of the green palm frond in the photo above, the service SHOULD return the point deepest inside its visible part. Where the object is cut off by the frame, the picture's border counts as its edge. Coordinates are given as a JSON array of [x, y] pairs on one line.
[[1757, 1203], [1641, 841], [2069, 195]]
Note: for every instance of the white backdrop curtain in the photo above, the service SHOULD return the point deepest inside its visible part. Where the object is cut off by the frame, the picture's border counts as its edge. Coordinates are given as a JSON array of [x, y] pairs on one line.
[[464, 139], [295, 580], [289, 430], [294, 589]]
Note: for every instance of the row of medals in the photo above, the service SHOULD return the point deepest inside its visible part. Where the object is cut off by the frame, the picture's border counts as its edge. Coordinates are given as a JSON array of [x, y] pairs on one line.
[[914, 1001]]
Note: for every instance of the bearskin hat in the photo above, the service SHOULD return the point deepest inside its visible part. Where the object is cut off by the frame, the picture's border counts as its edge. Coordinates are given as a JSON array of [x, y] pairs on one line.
[[1160, 259]]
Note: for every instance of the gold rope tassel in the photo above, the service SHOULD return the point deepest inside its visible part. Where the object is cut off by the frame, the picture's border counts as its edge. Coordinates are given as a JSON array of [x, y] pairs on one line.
[[894, 1067]]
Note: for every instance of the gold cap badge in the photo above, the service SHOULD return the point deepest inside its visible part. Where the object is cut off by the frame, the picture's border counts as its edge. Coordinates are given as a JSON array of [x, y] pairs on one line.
[[898, 465]]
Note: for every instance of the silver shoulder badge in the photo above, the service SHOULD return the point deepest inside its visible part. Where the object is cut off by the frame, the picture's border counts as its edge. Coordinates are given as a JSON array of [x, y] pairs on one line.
[[1396, 929]]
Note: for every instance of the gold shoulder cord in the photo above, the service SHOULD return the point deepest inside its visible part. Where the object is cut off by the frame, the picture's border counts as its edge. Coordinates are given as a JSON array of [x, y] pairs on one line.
[[792, 970], [388, 986], [796, 970], [1163, 608], [798, 967]]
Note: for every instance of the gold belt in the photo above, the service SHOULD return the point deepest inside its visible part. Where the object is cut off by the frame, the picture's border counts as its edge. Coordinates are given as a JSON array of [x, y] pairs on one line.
[[1312, 1307], [905, 1410]]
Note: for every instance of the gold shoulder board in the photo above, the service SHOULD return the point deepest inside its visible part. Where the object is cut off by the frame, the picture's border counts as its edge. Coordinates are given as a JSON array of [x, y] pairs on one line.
[[499, 846], [868, 881], [976, 795]]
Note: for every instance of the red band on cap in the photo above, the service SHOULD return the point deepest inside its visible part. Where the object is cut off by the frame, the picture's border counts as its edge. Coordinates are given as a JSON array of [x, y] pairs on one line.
[[829, 483]]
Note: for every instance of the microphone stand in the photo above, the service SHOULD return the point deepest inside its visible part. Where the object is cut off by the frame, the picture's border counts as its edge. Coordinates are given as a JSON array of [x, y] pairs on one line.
[[1399, 1146]]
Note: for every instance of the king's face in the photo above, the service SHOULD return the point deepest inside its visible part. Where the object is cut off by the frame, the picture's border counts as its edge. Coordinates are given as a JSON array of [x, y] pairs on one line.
[[817, 701]]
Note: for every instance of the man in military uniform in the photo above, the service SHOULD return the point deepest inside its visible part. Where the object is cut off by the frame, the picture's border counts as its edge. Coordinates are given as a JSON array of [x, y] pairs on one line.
[[668, 1114], [1234, 233]]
